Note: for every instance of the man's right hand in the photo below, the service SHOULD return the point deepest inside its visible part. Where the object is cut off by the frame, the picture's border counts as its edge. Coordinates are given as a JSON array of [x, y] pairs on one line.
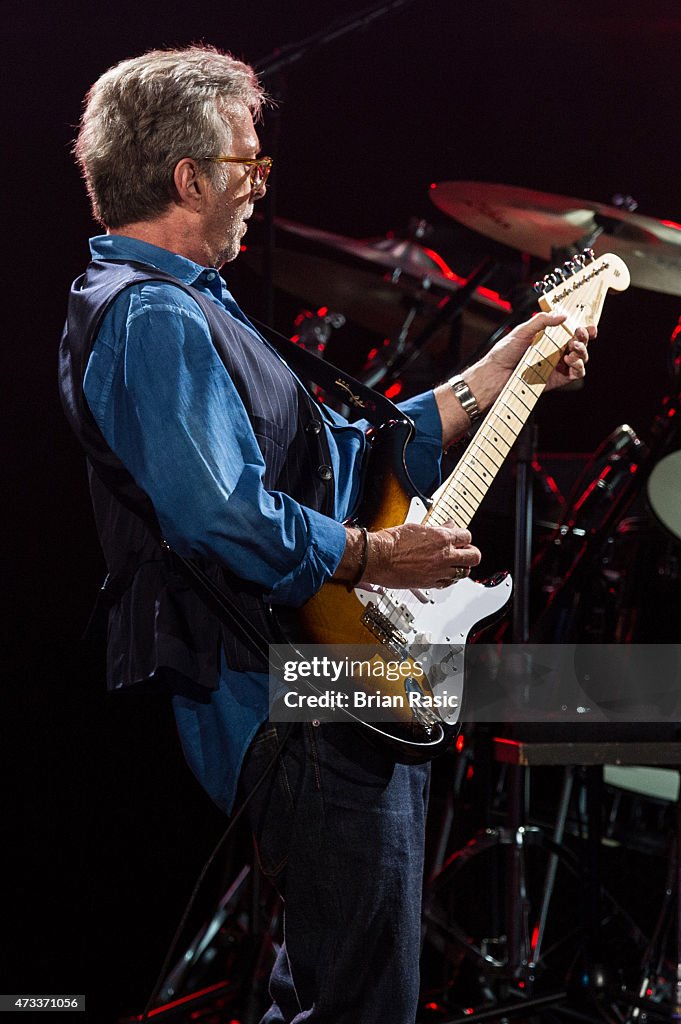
[[410, 555]]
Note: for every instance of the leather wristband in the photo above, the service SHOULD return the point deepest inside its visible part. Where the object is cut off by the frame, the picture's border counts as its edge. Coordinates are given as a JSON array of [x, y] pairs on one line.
[[465, 397], [364, 558]]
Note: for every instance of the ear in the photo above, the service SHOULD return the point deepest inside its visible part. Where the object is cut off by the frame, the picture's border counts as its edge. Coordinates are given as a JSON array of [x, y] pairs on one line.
[[189, 182]]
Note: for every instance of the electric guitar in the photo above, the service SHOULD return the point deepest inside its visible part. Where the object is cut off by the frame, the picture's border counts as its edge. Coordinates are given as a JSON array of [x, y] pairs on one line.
[[398, 623]]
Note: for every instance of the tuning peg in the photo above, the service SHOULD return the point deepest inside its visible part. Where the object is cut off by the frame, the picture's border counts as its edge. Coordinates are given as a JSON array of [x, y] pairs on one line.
[[589, 256]]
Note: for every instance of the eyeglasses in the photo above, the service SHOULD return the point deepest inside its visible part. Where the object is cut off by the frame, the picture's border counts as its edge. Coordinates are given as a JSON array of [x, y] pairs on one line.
[[260, 167]]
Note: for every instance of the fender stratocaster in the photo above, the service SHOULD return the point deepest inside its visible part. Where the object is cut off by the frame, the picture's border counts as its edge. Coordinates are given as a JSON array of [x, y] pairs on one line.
[[399, 622]]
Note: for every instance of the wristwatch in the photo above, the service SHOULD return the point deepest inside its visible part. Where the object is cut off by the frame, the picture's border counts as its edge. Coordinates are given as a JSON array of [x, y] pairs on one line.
[[466, 398]]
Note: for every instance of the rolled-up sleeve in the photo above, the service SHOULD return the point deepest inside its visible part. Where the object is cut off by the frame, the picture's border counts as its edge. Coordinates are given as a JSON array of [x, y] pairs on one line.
[[170, 411], [424, 451], [423, 455]]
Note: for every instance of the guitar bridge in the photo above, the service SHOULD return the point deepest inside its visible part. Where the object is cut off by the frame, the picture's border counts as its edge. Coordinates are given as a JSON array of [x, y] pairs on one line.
[[384, 630]]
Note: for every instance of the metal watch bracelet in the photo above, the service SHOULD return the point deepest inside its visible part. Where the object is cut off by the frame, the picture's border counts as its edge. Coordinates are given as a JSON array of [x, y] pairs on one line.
[[466, 398]]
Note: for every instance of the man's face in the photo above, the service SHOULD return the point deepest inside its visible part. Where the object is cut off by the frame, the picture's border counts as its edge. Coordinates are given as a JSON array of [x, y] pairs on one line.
[[227, 211]]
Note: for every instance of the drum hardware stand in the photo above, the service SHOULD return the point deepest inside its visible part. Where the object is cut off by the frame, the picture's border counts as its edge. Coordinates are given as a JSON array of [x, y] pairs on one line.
[[676, 1004], [396, 355], [525, 451], [512, 1001], [603, 223], [450, 309], [525, 454], [591, 756], [179, 975], [522, 951], [669, 917], [447, 823], [651, 961], [418, 229], [179, 999]]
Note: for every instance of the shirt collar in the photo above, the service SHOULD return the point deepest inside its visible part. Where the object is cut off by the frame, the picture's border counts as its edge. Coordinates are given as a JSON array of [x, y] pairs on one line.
[[121, 247]]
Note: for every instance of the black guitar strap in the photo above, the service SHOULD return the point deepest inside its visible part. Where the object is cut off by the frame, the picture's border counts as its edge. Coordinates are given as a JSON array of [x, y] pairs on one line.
[[374, 406]]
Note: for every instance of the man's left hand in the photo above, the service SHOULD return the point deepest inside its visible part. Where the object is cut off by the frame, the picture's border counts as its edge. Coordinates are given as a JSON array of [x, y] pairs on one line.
[[487, 378], [506, 354]]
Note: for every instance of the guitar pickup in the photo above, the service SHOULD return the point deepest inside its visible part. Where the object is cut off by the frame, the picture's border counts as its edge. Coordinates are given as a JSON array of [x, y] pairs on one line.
[[383, 629]]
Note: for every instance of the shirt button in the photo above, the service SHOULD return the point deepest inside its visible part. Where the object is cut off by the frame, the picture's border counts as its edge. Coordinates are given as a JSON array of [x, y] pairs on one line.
[[313, 427], [324, 472], [211, 275]]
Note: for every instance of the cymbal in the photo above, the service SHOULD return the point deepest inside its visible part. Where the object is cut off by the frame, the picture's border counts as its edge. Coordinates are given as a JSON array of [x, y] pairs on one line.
[[539, 222], [394, 254], [388, 253], [369, 300]]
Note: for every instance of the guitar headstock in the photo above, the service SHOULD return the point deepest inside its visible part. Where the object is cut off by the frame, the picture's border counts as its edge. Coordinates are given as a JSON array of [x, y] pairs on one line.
[[579, 287]]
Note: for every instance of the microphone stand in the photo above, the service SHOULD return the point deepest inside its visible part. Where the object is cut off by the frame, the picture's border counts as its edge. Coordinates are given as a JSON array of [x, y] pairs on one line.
[[450, 309]]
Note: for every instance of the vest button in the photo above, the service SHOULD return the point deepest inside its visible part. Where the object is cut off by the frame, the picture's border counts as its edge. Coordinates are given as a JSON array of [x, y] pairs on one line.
[[313, 427], [324, 472]]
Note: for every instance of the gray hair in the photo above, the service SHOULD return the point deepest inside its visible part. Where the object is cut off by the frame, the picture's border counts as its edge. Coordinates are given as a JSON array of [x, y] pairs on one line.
[[145, 114]]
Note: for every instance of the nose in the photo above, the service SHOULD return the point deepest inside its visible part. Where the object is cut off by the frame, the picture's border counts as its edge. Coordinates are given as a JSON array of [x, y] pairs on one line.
[[259, 191]]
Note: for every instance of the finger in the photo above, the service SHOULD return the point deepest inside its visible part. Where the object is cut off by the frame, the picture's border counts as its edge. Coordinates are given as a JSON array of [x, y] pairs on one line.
[[576, 350], [538, 322], [465, 557], [585, 334], [542, 320], [575, 367], [461, 538]]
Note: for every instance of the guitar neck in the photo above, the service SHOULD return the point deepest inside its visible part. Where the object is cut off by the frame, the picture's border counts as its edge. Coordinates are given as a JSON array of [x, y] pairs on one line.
[[460, 496]]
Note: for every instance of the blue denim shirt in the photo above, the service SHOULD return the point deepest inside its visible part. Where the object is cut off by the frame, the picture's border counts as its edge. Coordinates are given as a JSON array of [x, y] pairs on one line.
[[169, 410]]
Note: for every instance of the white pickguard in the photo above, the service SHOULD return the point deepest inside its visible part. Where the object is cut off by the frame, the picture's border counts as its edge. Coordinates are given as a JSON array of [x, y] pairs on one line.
[[441, 618]]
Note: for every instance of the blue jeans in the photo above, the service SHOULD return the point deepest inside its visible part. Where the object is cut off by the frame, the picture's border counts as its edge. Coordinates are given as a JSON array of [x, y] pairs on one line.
[[340, 830]]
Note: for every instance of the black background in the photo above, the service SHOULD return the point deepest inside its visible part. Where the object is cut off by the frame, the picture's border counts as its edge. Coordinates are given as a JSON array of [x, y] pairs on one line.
[[103, 828]]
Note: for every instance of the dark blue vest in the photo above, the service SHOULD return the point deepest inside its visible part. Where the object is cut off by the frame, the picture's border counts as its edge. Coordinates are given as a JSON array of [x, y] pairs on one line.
[[158, 628]]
